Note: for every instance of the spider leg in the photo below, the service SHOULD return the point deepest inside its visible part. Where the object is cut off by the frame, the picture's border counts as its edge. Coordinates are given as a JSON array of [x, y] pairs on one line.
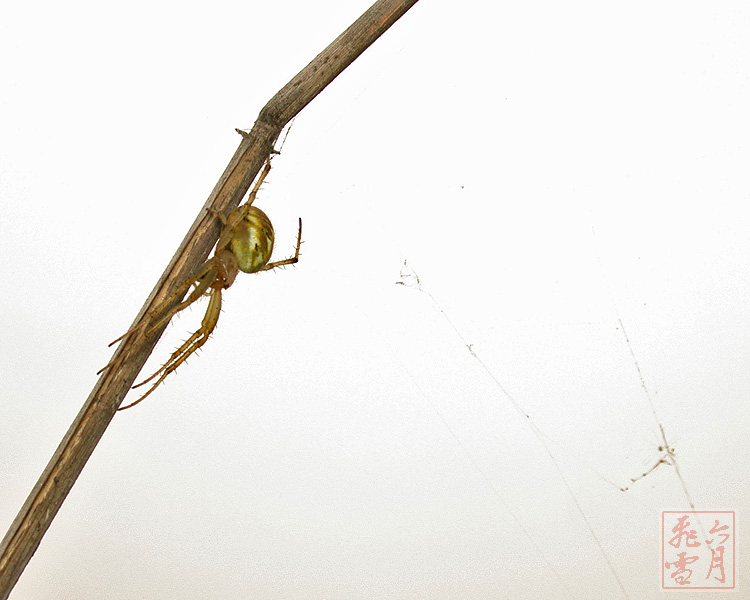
[[238, 214], [199, 277], [256, 187], [287, 261], [203, 278], [191, 345]]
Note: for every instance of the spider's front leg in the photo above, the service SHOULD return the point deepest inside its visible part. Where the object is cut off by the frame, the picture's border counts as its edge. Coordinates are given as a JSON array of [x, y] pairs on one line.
[[191, 345], [202, 279], [220, 274]]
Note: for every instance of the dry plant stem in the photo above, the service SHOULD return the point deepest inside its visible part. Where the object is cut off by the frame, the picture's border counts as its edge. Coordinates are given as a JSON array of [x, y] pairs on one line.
[[45, 499]]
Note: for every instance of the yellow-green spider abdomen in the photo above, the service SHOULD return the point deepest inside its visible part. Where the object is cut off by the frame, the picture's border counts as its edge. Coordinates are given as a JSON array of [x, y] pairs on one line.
[[252, 241]]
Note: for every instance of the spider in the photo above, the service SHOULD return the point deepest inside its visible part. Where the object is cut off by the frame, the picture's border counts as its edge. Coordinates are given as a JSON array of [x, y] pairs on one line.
[[245, 244]]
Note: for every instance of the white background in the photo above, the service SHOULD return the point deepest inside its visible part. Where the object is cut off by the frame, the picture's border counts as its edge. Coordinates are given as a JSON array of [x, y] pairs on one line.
[[545, 168]]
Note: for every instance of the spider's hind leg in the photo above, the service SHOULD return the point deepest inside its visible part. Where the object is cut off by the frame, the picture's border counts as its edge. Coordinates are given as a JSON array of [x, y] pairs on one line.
[[287, 261]]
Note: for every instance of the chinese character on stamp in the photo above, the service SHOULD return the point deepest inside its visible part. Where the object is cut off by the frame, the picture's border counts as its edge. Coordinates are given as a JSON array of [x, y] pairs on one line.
[[697, 550]]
